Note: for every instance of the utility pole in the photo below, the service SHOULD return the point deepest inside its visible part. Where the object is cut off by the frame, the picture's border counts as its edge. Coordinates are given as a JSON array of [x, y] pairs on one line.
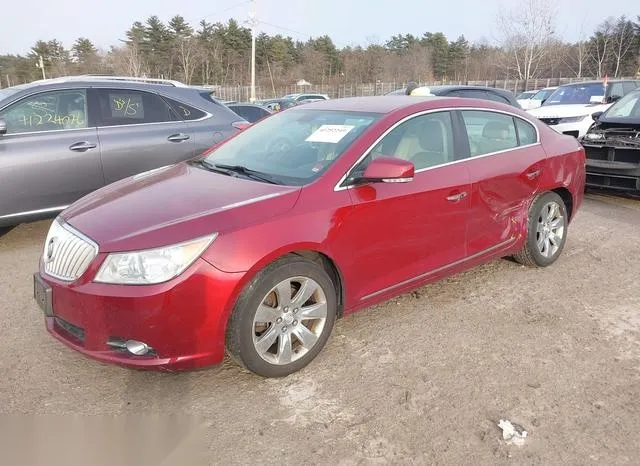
[[40, 65], [253, 22]]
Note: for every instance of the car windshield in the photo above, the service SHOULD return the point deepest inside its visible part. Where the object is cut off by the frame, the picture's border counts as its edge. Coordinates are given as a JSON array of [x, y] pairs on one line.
[[591, 93], [525, 95], [293, 147], [543, 94], [627, 107]]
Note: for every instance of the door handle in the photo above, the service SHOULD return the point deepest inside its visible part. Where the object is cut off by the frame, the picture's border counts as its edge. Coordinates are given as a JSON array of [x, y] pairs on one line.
[[178, 137], [532, 175], [82, 146], [457, 197]]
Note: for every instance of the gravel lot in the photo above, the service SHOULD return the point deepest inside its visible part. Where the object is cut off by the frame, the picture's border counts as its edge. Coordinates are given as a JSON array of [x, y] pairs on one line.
[[424, 378]]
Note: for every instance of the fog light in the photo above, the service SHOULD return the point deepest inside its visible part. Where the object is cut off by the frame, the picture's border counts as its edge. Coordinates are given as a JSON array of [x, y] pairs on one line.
[[137, 347]]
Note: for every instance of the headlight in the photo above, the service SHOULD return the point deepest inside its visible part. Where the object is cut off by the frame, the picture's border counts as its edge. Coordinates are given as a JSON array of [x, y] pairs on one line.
[[594, 136], [574, 119], [152, 266]]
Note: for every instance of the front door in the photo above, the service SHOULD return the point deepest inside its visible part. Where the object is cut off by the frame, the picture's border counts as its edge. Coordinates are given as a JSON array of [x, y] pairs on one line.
[[505, 164], [138, 131], [405, 231], [49, 156]]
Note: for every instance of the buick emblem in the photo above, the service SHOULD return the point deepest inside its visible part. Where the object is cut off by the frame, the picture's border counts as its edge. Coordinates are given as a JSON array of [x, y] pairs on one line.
[[50, 247]]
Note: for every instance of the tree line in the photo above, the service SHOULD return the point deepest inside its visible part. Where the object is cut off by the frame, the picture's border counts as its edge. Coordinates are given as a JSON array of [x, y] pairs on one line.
[[220, 53]]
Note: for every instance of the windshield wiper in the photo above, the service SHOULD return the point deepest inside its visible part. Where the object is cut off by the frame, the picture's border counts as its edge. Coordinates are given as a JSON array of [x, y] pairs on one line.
[[249, 173], [211, 167]]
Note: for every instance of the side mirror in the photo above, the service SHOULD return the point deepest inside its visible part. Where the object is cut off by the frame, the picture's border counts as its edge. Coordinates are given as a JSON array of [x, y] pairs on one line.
[[3, 126], [386, 169], [613, 98], [542, 102], [595, 116]]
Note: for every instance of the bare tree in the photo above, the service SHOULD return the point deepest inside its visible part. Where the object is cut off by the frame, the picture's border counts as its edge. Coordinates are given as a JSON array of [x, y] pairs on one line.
[[601, 46], [578, 54], [528, 29], [128, 60], [188, 53], [623, 39]]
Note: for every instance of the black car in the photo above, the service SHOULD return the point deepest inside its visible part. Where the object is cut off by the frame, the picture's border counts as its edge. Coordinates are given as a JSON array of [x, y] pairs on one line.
[[612, 146], [250, 112], [471, 92], [277, 105]]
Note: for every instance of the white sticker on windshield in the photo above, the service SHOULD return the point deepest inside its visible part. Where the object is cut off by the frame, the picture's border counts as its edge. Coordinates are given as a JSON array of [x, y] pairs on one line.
[[330, 133]]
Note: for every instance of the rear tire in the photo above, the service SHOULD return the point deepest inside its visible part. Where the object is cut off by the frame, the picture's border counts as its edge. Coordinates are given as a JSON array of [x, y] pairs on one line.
[[546, 231], [283, 318]]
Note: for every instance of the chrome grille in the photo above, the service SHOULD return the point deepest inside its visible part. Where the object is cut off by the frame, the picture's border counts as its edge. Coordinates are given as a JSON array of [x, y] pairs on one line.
[[67, 253]]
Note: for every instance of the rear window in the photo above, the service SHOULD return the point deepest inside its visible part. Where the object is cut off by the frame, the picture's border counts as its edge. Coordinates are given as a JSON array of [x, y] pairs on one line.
[[186, 112]]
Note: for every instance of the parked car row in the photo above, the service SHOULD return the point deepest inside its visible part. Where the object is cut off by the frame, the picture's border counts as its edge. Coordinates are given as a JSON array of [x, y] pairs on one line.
[[61, 139]]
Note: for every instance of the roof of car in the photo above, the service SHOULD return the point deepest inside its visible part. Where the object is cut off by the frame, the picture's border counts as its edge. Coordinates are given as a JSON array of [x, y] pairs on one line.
[[598, 81], [373, 104]]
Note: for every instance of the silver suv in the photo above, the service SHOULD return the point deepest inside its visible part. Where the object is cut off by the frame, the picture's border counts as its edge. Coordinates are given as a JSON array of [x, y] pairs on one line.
[[62, 138]]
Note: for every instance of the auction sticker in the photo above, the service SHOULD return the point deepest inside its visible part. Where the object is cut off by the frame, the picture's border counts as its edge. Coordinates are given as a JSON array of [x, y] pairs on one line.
[[330, 133]]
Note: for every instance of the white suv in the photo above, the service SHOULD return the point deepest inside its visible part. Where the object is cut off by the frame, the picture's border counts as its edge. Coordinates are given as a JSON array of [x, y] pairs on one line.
[[569, 108]]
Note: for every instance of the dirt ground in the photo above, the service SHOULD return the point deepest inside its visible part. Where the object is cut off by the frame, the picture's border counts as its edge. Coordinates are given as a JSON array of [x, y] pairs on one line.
[[422, 379]]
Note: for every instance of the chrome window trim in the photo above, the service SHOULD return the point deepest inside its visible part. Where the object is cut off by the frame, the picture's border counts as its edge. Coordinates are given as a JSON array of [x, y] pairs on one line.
[[338, 186], [35, 212], [83, 89], [86, 89], [207, 114]]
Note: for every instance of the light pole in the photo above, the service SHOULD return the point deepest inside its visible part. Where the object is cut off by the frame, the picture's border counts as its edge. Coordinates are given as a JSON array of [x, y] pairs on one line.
[[253, 22]]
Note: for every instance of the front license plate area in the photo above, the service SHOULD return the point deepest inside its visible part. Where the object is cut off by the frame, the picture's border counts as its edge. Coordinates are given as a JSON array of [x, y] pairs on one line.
[[42, 294]]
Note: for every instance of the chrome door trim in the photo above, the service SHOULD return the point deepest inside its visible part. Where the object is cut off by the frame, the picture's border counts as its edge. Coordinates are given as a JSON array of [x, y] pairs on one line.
[[440, 269]]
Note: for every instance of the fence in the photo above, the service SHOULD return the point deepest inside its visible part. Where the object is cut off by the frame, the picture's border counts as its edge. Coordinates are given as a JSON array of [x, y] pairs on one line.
[[242, 93]]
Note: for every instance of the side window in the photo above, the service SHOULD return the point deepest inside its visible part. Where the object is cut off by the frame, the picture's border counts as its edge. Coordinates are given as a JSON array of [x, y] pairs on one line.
[[249, 113], [526, 132], [48, 111], [186, 112], [426, 140], [496, 97], [489, 131], [628, 86], [468, 93], [118, 107]]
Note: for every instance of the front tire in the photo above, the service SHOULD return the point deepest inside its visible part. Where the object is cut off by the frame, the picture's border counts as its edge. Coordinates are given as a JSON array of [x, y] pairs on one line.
[[283, 318], [546, 231]]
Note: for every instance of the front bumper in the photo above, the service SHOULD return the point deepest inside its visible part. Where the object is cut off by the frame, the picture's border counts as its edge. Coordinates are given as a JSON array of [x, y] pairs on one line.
[[576, 130], [613, 167], [183, 320]]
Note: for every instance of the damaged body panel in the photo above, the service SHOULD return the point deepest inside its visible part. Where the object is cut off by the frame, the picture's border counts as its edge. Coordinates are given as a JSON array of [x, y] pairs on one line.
[[612, 147]]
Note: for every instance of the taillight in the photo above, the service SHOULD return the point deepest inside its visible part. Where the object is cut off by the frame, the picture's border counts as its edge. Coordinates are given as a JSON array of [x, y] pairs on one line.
[[240, 125]]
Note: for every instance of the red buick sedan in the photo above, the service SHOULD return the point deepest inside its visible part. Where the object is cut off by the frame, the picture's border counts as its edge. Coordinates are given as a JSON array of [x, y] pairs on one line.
[[258, 245]]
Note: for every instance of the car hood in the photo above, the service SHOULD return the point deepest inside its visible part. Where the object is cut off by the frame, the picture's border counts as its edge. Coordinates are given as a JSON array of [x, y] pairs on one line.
[[563, 111], [173, 204]]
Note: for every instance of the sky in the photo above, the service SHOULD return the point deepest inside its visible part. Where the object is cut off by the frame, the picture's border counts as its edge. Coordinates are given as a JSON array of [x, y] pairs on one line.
[[348, 22]]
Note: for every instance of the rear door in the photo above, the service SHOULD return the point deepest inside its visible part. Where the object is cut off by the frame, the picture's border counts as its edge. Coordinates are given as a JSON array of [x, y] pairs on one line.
[[138, 131], [505, 164], [50, 156]]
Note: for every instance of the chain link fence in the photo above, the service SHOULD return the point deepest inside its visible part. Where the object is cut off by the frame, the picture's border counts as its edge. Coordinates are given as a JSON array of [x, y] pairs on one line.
[[243, 93]]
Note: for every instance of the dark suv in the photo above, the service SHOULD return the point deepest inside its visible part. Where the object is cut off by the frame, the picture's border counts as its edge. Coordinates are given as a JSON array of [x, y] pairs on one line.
[[470, 92], [63, 138]]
